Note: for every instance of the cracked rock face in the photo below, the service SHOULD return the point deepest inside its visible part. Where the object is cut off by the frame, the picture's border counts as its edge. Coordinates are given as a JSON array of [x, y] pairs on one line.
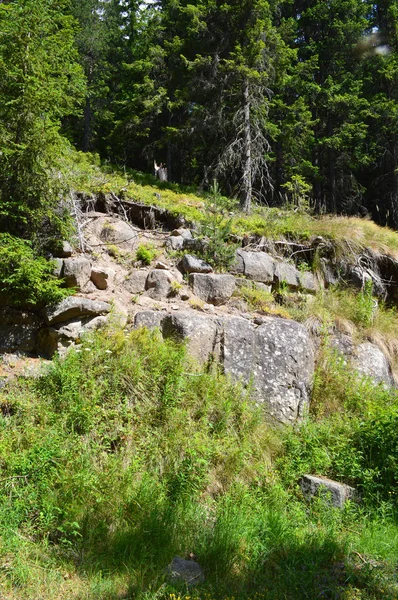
[[275, 360]]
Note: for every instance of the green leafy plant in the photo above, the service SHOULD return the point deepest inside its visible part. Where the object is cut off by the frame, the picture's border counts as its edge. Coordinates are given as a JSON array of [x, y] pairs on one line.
[[27, 279], [146, 253]]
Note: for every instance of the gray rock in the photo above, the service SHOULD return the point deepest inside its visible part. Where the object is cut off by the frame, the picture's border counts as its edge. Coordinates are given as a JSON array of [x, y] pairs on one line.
[[100, 276], [149, 319], [14, 338], [161, 265], [58, 267], [258, 266], [65, 251], [175, 242], [77, 272], [214, 289], [159, 284], [73, 307], [136, 281], [336, 493], [18, 330], [192, 264], [287, 274], [119, 233], [276, 358], [185, 571], [200, 332], [371, 362], [308, 282]]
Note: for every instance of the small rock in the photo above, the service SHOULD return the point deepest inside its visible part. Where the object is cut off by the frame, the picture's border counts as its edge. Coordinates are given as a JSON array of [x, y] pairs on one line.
[[58, 267], [185, 295], [161, 265], [338, 493], [192, 264], [159, 284], [174, 307], [187, 571], [65, 251], [100, 277]]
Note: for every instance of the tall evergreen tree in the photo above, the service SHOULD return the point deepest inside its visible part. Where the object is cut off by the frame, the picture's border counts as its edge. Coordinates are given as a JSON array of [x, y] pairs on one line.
[[40, 83]]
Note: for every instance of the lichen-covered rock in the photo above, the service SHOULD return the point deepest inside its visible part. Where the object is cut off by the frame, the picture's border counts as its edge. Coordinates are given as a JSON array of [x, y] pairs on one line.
[[77, 272], [185, 571], [276, 358], [258, 266], [371, 362], [73, 307], [192, 264], [119, 233], [336, 493], [214, 289]]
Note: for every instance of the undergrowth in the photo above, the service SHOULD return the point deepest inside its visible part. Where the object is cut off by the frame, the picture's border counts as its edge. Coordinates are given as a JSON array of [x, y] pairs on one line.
[[126, 454]]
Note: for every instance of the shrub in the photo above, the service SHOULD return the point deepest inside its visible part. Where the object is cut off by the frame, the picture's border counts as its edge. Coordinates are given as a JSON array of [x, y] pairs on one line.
[[26, 279], [146, 253]]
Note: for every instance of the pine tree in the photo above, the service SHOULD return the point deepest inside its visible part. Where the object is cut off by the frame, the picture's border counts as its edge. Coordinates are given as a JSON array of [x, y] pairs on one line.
[[40, 83]]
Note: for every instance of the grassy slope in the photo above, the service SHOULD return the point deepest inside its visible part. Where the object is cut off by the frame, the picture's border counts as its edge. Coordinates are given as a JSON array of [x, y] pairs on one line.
[[126, 454]]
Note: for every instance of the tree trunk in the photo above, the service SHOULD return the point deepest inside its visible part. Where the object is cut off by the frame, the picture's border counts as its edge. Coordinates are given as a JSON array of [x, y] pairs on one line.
[[247, 170], [87, 126], [331, 171]]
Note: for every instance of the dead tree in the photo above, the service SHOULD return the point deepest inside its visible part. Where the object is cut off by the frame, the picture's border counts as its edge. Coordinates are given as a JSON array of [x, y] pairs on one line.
[[160, 171]]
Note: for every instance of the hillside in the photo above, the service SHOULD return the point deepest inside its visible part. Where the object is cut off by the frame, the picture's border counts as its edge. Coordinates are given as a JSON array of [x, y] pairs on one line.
[[136, 446]]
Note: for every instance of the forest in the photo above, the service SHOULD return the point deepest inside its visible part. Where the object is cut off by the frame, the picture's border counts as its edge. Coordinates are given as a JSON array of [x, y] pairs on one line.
[[280, 101]]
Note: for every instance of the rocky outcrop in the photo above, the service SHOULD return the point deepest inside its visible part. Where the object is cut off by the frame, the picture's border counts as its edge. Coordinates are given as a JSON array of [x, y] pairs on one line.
[[334, 492], [192, 264], [275, 360]]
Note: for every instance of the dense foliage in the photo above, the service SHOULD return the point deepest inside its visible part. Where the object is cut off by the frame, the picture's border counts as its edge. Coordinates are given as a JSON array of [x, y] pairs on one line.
[[126, 453], [276, 99]]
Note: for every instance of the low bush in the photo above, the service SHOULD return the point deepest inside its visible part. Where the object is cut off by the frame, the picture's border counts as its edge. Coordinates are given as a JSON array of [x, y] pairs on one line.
[[27, 279]]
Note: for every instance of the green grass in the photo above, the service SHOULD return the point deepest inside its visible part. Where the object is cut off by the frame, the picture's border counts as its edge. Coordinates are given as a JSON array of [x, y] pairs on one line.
[[84, 172], [126, 454]]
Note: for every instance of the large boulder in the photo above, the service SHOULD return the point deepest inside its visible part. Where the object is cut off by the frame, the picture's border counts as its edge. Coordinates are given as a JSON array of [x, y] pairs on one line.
[[119, 233], [371, 362], [73, 307], [258, 266], [77, 272], [214, 289], [287, 274], [276, 359]]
